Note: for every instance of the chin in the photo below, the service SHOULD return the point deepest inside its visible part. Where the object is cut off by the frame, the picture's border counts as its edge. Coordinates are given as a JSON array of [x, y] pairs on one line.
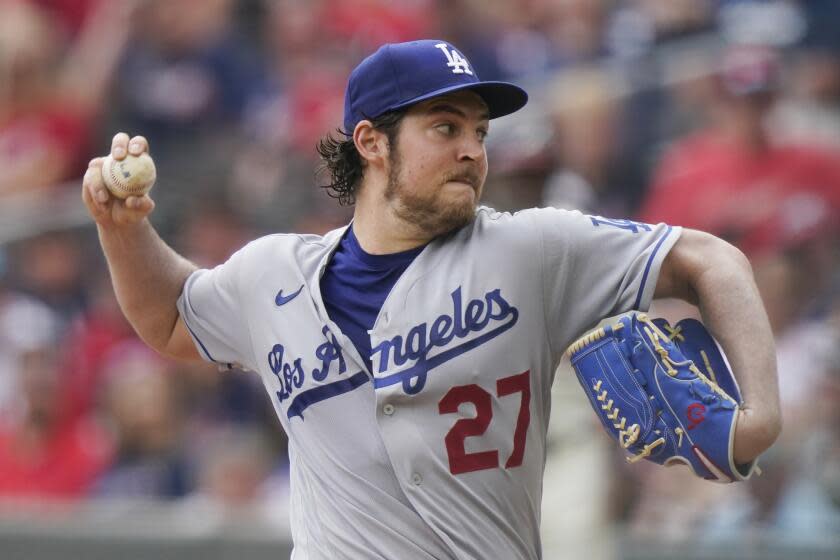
[[456, 215], [461, 193], [452, 208]]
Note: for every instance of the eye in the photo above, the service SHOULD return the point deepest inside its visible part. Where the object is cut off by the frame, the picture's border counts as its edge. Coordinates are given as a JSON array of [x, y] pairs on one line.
[[447, 129], [482, 133]]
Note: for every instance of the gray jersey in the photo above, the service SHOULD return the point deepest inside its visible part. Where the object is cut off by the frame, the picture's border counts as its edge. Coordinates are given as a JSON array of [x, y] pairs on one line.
[[439, 451]]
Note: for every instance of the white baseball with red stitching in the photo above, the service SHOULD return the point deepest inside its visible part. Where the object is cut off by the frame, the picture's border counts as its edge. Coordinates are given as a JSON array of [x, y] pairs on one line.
[[131, 176]]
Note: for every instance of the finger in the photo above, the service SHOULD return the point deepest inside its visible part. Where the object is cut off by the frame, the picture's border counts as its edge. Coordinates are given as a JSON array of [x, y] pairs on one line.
[[119, 145], [95, 184], [89, 192], [138, 145], [86, 195], [89, 182], [139, 204], [133, 210]]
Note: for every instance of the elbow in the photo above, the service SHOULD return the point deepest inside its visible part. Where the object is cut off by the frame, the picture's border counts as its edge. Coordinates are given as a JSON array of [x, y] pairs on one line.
[[757, 431], [735, 256], [774, 428], [769, 432], [156, 342]]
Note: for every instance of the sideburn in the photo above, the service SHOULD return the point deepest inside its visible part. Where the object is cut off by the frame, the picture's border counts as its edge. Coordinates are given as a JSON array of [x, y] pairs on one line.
[[395, 164]]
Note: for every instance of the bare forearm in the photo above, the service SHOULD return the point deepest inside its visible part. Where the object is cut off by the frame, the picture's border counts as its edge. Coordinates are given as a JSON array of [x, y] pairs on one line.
[[732, 309], [148, 277], [718, 278]]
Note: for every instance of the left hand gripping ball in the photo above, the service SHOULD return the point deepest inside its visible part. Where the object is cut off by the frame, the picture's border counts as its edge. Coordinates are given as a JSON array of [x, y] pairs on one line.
[[131, 176]]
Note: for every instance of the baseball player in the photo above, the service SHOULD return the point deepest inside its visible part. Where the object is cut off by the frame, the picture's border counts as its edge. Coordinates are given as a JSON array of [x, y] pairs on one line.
[[410, 355]]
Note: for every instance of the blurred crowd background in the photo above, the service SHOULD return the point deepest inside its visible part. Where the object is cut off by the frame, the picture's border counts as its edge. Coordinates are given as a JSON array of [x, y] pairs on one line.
[[713, 114]]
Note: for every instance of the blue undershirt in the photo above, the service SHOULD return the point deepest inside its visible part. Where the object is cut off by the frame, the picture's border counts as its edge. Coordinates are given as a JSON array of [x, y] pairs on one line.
[[355, 285]]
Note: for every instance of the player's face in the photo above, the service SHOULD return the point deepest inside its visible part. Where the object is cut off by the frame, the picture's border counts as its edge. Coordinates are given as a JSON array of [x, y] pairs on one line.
[[439, 164]]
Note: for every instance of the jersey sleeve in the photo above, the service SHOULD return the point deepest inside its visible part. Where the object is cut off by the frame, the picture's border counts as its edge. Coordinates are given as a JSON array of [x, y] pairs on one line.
[[212, 308], [595, 267]]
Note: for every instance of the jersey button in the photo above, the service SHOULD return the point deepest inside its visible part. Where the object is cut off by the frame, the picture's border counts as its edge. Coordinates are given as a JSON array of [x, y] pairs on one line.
[[417, 479], [388, 409]]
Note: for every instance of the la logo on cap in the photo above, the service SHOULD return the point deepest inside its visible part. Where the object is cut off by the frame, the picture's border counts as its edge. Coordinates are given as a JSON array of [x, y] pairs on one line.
[[458, 63], [399, 75]]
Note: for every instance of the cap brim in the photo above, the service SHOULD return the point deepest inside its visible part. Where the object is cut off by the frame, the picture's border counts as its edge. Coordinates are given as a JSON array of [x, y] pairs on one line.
[[502, 98]]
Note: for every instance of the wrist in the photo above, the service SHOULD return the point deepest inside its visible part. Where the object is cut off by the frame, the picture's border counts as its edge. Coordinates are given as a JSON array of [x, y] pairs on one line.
[[120, 231]]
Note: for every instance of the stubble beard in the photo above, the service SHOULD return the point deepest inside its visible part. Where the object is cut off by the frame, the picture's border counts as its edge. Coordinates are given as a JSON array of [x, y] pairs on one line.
[[427, 213]]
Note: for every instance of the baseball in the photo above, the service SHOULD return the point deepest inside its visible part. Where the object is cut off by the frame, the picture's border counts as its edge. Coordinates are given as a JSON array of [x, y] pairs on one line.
[[131, 176]]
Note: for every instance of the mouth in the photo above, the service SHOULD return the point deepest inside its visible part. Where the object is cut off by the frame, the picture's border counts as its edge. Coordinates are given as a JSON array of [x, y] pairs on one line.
[[465, 181]]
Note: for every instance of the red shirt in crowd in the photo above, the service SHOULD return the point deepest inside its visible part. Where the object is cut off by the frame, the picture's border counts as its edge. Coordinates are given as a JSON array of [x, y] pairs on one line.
[[709, 184], [62, 465]]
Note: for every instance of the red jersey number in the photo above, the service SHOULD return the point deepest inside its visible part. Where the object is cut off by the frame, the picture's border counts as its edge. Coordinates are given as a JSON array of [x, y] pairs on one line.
[[459, 460]]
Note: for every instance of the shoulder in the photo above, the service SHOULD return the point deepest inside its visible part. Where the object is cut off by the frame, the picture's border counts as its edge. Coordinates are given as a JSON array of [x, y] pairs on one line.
[[489, 218], [528, 220], [521, 229], [289, 245], [278, 255], [491, 223]]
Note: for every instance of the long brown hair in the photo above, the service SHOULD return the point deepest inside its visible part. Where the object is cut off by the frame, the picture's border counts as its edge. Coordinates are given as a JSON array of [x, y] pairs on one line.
[[341, 160]]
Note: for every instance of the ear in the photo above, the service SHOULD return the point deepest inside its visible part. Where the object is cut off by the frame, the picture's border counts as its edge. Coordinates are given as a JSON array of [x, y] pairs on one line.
[[371, 144]]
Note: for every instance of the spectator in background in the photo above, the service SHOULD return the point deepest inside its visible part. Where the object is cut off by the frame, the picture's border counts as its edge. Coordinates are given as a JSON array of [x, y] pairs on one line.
[[812, 112], [525, 40], [591, 174], [797, 498], [210, 233], [91, 337], [234, 477], [69, 16], [235, 465], [306, 65], [371, 23], [43, 453], [809, 509], [490, 23], [51, 90], [142, 404], [25, 326], [190, 70], [189, 78], [731, 176], [50, 268]]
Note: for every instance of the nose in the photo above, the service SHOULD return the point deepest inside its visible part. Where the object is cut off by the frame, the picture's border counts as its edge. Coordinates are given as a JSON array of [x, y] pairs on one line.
[[471, 149]]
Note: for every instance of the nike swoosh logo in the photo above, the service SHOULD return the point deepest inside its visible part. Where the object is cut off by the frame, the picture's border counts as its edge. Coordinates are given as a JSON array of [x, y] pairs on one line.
[[283, 300]]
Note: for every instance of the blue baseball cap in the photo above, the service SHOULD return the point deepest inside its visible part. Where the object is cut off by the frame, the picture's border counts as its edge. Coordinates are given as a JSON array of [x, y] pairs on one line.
[[402, 74]]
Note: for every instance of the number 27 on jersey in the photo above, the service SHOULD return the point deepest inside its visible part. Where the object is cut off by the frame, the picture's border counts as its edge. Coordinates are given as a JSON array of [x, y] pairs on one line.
[[459, 460]]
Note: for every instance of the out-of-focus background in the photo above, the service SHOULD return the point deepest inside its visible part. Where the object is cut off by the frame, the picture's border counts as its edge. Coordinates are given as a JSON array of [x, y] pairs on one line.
[[714, 114]]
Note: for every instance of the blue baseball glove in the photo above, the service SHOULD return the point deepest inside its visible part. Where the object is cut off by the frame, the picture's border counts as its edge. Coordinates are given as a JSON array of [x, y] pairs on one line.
[[665, 393]]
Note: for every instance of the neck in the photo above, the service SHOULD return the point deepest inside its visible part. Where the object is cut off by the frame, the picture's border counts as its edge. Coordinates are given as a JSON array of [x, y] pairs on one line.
[[381, 232], [745, 130]]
